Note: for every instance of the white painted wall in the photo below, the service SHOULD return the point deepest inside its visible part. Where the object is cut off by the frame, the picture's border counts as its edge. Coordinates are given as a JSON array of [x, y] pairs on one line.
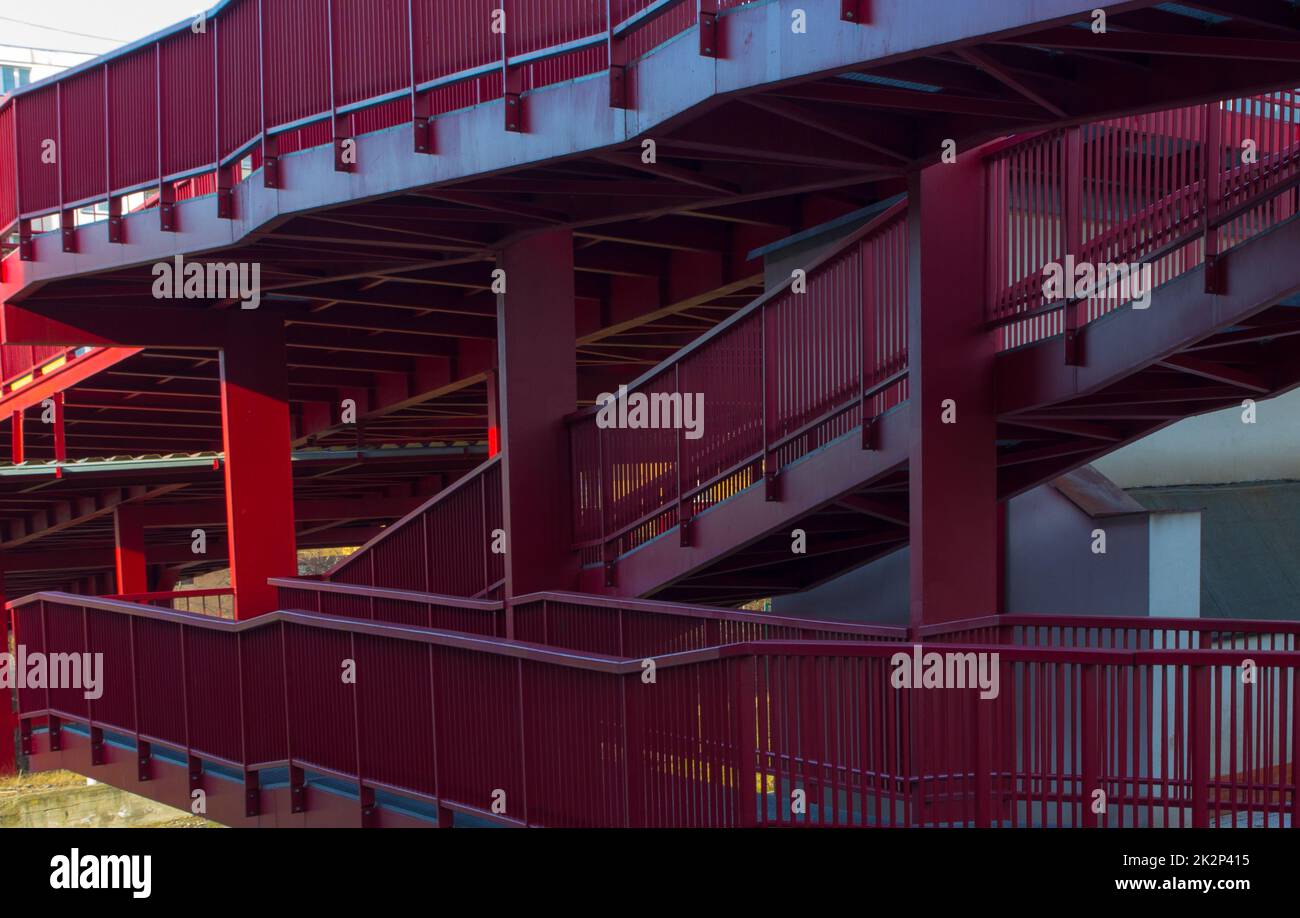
[[1174, 582]]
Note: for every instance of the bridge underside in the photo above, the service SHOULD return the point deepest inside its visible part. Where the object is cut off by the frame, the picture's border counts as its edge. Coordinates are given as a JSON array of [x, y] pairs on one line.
[[834, 238]]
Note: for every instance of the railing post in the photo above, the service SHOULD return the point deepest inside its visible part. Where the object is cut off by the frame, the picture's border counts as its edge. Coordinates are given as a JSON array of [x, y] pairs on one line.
[[512, 82], [338, 123], [1198, 751], [1090, 747], [745, 733], [617, 50], [421, 122], [683, 505], [1293, 675], [868, 349], [771, 486], [607, 553], [270, 145], [1072, 214], [987, 808], [1216, 280], [634, 771]]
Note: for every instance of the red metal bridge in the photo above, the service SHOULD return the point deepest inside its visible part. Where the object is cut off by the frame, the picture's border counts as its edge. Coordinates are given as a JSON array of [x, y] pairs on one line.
[[471, 219]]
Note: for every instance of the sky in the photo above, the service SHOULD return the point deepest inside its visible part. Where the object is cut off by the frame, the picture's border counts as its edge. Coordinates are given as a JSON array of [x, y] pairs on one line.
[[93, 26]]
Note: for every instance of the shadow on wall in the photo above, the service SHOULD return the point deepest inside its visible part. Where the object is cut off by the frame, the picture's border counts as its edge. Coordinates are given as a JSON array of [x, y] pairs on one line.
[[1077, 546]]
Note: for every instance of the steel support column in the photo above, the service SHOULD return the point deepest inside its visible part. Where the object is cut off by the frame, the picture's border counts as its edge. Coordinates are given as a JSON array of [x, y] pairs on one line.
[[129, 551], [537, 384], [953, 456], [259, 475], [8, 699]]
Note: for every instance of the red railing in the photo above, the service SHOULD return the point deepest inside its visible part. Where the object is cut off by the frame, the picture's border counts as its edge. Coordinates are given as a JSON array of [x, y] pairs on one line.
[[444, 546], [765, 733], [784, 376], [20, 364], [1167, 188], [394, 607], [1110, 632], [274, 77], [572, 621], [219, 602]]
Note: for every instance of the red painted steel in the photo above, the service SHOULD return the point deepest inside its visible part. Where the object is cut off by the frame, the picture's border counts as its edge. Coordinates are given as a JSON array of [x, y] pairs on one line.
[[444, 546], [392, 606], [258, 473], [1120, 633], [129, 551], [217, 602], [275, 75], [537, 387], [953, 448], [1132, 190], [780, 379], [573, 621], [762, 733], [19, 360]]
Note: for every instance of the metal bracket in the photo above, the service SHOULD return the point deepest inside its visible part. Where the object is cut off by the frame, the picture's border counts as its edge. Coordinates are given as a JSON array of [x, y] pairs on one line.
[[144, 755], [96, 746], [708, 34], [68, 229], [297, 790], [857, 11], [252, 795], [618, 87]]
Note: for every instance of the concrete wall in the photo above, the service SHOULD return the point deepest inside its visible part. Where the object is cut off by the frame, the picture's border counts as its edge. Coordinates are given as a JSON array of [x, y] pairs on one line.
[[1152, 566], [1051, 567]]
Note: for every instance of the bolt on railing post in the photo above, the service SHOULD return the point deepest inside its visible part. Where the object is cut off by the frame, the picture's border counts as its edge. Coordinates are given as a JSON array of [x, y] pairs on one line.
[[710, 32], [1198, 751]]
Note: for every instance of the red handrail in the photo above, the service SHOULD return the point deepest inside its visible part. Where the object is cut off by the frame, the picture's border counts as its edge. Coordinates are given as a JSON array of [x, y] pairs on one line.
[[572, 621], [270, 78], [1171, 189], [755, 374], [723, 736], [446, 545]]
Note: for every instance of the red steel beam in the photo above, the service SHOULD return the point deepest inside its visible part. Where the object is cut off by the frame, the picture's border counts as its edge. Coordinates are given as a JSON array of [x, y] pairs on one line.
[[952, 470], [259, 476], [129, 552], [538, 388]]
